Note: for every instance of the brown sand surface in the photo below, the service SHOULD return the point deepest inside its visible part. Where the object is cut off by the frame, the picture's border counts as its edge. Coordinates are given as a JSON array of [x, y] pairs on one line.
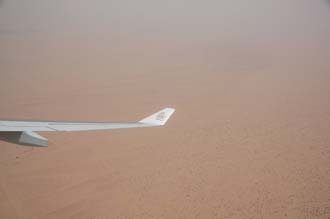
[[250, 137]]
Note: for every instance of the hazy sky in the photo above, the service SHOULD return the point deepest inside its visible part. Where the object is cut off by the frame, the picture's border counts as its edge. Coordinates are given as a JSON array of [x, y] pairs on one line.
[[255, 19]]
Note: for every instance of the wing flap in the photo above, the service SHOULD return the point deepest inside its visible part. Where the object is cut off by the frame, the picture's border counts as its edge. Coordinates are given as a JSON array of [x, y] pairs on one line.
[[95, 126]]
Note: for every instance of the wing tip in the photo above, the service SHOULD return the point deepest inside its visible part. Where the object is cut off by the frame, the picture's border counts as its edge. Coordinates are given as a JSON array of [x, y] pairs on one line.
[[160, 118]]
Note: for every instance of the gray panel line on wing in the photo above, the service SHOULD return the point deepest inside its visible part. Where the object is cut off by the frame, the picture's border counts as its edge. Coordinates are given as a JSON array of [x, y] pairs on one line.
[[51, 128]]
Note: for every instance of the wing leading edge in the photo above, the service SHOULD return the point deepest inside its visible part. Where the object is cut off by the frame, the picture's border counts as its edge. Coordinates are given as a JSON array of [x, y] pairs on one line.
[[29, 127]]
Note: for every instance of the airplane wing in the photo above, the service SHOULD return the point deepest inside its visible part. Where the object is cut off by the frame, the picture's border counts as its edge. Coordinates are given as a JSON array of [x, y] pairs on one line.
[[28, 128]]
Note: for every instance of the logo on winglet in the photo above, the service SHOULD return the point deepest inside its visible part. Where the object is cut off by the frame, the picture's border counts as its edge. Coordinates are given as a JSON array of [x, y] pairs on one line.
[[161, 116]]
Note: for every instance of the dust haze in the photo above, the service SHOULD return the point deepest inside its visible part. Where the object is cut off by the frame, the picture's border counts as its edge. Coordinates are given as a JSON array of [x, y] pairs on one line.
[[249, 80]]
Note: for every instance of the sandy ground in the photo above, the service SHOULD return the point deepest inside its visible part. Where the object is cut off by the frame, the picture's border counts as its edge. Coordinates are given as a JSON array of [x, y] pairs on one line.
[[250, 137]]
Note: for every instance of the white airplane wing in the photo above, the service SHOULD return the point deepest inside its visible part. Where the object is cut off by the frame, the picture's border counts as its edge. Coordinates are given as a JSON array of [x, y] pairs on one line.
[[28, 128]]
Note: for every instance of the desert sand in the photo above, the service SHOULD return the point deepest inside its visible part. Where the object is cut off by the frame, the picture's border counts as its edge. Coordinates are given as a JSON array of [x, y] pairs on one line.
[[250, 81]]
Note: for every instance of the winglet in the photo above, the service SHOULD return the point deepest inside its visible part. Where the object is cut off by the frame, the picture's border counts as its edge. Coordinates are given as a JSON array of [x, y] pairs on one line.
[[159, 118]]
